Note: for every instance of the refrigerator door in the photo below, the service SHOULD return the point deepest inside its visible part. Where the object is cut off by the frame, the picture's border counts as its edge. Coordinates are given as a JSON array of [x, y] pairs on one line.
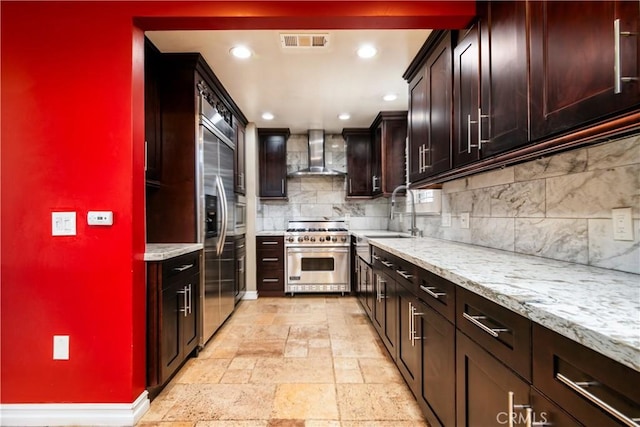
[[227, 256]]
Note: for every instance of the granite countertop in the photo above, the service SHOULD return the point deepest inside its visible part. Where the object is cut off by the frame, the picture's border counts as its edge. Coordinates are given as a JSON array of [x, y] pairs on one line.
[[270, 233], [163, 251], [370, 233], [593, 306]]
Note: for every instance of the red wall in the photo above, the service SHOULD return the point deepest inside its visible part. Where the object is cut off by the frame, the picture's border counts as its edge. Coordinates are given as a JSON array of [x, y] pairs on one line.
[[72, 139]]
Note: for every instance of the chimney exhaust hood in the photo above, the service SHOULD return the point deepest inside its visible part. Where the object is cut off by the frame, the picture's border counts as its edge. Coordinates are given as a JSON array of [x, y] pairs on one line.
[[316, 157]]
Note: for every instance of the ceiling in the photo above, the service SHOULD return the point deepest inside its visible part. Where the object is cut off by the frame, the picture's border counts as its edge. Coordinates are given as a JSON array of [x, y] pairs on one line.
[[305, 88]]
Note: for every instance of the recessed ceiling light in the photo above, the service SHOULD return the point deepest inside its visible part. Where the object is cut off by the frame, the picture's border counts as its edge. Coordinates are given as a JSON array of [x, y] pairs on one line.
[[344, 116], [241, 52], [367, 51], [267, 116], [390, 97]]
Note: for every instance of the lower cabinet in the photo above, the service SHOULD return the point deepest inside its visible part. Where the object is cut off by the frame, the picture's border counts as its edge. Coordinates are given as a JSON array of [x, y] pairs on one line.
[[270, 265], [473, 363], [173, 291]]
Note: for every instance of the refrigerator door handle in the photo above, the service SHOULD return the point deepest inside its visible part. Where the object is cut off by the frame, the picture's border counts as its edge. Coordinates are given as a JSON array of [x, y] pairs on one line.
[[223, 203]]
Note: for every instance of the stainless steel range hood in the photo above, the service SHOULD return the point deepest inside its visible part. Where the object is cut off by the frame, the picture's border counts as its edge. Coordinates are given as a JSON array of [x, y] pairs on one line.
[[316, 157]]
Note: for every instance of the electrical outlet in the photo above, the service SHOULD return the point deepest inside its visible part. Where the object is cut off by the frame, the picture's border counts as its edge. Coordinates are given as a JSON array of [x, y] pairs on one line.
[[622, 224], [61, 347], [446, 219], [464, 220]]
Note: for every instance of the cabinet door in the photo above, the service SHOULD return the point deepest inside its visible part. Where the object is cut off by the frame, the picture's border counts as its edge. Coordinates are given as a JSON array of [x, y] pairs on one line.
[[358, 162], [436, 339], [409, 341], [189, 316], [367, 278], [376, 162], [152, 113], [573, 72], [171, 331], [239, 157], [503, 75], [466, 98], [273, 164], [394, 139], [390, 299], [483, 385], [547, 413], [430, 114], [378, 302]]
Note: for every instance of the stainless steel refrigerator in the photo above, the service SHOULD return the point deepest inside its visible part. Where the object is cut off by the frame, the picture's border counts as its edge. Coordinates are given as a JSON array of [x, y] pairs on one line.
[[215, 218]]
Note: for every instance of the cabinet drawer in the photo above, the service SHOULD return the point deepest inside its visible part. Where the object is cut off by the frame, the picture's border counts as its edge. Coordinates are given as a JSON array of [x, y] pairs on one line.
[[180, 267], [585, 383], [437, 292], [270, 242], [271, 280], [396, 268], [270, 260], [504, 333]]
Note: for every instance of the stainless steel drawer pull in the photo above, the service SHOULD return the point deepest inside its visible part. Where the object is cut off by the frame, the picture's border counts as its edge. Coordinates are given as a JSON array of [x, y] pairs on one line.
[[494, 332], [183, 267], [386, 263], [376, 257], [269, 242], [597, 401], [269, 259], [270, 280], [433, 292], [512, 406], [404, 274]]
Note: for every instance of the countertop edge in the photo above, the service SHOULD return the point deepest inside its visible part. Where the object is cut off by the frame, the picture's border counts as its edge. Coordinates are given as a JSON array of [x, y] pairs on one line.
[[165, 251]]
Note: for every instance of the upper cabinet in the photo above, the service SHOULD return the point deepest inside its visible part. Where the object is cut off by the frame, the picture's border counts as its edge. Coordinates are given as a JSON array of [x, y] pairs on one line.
[[152, 114], [359, 175], [524, 79], [239, 181], [389, 131], [273, 162], [430, 103], [584, 63]]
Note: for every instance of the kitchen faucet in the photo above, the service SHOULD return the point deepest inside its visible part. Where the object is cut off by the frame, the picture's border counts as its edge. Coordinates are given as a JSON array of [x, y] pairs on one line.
[[414, 230]]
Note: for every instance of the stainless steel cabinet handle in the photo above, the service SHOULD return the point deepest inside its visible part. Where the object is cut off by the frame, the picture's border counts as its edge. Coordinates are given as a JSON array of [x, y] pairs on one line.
[[480, 140], [469, 146], [189, 298], [146, 154], [269, 259], [404, 274], [269, 242], [476, 321], [479, 123], [374, 179], [413, 313], [350, 189], [270, 280], [183, 267], [386, 263], [433, 291], [597, 401], [617, 61], [282, 186], [185, 303], [376, 257], [510, 399], [411, 323]]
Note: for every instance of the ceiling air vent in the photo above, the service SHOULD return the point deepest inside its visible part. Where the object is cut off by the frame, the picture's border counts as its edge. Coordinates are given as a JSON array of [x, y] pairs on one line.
[[307, 41]]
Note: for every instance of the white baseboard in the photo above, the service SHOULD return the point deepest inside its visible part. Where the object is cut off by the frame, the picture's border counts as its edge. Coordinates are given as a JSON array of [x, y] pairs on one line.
[[250, 295], [77, 414]]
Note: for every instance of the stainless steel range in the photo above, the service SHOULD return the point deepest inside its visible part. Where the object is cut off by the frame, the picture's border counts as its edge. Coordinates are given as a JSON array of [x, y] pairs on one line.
[[317, 257]]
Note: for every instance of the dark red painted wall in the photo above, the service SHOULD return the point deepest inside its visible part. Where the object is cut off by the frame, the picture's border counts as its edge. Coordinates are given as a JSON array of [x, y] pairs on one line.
[[72, 139]]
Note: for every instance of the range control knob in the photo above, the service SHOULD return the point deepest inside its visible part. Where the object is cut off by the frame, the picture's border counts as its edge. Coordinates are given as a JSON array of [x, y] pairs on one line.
[[313, 239], [306, 238], [343, 238], [300, 239], [290, 239], [334, 239], [328, 238], [320, 239]]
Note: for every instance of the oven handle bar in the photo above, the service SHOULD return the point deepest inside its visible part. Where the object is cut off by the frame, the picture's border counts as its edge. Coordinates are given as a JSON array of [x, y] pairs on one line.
[[318, 249]]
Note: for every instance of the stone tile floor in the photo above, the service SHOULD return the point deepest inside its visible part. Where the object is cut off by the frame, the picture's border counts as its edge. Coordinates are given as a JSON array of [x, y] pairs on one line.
[[308, 360]]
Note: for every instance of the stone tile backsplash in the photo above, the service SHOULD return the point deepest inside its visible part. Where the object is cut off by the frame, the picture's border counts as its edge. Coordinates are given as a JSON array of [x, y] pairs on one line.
[[555, 207]]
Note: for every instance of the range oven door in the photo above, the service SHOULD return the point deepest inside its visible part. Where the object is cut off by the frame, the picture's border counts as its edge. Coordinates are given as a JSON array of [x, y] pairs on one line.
[[317, 269]]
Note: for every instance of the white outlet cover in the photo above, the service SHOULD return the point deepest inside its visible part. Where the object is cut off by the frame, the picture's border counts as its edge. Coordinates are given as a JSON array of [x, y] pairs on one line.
[[61, 347], [464, 220], [622, 224], [63, 223]]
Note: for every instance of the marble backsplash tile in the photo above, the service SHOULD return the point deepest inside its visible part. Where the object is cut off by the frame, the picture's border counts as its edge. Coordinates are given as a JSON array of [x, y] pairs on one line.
[[563, 239]]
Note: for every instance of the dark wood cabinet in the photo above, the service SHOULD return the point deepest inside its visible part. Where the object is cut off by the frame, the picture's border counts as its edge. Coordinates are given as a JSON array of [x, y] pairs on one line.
[[430, 78], [587, 384], [483, 385], [240, 284], [152, 114], [273, 162], [389, 130], [359, 162], [173, 288], [573, 63], [503, 76], [409, 337], [240, 178], [270, 265]]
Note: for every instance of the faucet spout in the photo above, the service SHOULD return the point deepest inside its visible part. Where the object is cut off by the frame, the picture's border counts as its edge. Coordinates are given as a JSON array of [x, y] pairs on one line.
[[414, 230]]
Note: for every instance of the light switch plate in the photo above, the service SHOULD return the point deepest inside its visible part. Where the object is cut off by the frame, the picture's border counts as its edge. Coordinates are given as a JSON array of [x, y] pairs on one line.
[[464, 220], [63, 223], [622, 224], [100, 218]]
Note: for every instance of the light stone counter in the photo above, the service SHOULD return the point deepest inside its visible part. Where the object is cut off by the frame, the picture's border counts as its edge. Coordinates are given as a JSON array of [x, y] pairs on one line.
[[163, 251], [596, 307], [270, 233]]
